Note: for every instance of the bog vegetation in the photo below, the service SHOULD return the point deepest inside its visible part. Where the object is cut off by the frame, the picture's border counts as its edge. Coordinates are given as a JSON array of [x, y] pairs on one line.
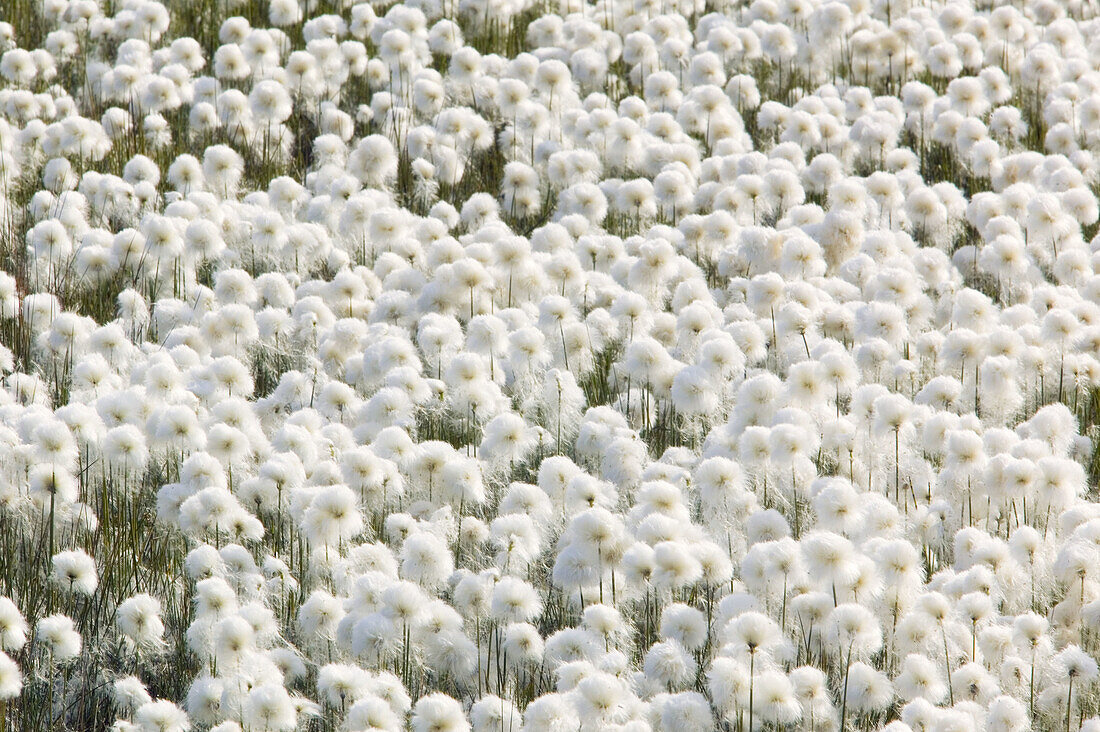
[[549, 366]]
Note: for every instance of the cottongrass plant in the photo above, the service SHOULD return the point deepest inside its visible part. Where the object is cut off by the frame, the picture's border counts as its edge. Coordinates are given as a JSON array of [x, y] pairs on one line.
[[500, 367]]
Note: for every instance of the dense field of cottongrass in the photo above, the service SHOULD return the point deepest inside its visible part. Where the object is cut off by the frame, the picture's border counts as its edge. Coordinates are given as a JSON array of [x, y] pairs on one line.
[[549, 365]]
